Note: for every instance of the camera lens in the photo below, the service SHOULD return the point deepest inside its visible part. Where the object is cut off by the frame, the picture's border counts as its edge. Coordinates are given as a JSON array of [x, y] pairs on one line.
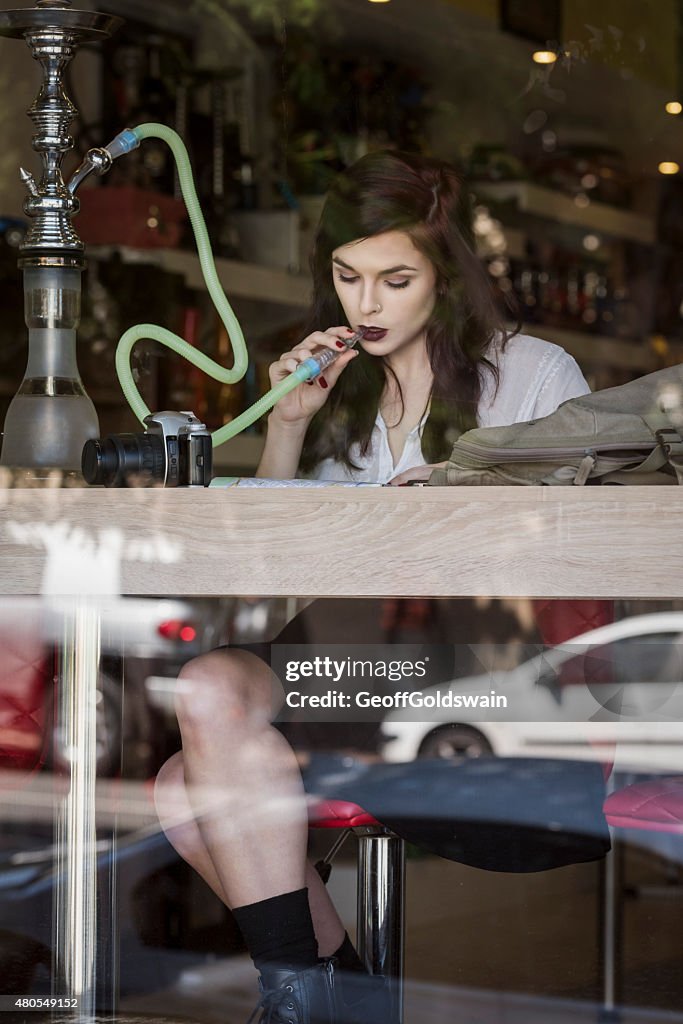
[[122, 459]]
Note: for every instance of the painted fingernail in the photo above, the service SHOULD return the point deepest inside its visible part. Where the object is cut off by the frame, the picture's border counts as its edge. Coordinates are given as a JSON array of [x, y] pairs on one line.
[[349, 330], [309, 381], [340, 344], [323, 382]]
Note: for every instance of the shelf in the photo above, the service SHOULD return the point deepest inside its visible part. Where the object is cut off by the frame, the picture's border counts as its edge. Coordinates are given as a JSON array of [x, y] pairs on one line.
[[545, 202], [595, 348], [247, 280]]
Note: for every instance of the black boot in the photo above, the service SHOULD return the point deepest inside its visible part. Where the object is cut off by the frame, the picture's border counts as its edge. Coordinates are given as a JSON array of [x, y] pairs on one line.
[[364, 998], [322, 995]]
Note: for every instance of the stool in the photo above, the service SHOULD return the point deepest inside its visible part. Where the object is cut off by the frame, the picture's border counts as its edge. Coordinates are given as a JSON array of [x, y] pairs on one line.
[[655, 805], [380, 889]]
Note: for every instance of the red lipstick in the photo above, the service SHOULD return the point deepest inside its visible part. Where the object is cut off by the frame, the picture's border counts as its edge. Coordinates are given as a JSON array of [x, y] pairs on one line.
[[372, 333]]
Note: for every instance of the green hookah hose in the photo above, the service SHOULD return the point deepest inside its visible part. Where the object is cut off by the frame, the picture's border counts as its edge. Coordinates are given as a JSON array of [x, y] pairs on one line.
[[310, 368]]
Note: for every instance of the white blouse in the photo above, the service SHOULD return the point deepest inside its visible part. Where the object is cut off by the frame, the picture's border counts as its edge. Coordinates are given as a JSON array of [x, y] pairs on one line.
[[535, 377]]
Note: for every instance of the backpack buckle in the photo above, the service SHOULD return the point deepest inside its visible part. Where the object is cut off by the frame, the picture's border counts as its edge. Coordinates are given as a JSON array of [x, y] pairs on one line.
[[672, 446], [670, 440]]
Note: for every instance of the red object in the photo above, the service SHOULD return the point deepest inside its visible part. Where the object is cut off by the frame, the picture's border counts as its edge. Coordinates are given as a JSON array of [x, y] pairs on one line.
[[127, 215], [25, 674], [338, 814], [561, 620], [655, 805], [177, 629]]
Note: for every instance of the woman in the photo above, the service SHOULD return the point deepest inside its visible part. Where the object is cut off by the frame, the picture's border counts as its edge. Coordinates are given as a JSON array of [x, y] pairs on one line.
[[394, 256]]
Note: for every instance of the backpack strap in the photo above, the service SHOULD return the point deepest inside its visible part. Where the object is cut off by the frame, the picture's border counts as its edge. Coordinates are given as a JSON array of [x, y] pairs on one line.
[[585, 469], [669, 440], [671, 443]]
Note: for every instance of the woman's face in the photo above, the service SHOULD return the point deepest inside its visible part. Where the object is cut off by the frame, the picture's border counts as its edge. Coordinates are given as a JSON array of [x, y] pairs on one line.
[[384, 282]]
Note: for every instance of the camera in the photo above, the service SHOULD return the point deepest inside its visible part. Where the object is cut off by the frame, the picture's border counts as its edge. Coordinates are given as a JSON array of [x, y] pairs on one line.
[[174, 451]]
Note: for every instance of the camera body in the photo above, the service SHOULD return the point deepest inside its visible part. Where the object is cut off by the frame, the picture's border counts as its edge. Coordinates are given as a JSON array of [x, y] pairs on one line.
[[174, 451]]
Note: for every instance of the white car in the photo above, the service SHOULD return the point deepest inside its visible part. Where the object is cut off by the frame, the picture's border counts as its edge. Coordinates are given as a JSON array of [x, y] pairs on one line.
[[616, 691]]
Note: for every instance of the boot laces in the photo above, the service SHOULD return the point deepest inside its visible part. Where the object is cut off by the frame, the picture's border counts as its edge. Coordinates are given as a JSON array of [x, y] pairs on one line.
[[275, 1004]]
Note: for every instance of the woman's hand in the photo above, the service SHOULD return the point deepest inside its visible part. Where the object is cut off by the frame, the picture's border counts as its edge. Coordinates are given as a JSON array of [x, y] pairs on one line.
[[301, 404], [416, 473]]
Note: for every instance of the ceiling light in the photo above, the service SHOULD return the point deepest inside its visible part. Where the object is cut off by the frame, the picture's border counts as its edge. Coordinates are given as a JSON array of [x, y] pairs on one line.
[[544, 56], [674, 107], [668, 167]]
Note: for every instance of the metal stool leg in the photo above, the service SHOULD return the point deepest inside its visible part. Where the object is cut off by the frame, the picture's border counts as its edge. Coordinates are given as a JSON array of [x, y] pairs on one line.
[[611, 925], [381, 888]]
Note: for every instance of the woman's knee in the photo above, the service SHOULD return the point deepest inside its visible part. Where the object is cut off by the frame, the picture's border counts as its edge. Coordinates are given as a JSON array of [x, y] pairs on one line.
[[170, 779], [173, 808], [230, 686]]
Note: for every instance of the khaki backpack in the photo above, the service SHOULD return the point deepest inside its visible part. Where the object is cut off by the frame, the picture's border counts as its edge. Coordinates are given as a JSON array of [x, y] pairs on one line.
[[632, 434]]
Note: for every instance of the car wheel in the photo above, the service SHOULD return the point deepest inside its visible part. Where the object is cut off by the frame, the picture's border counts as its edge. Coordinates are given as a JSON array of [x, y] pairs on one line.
[[108, 728], [455, 743]]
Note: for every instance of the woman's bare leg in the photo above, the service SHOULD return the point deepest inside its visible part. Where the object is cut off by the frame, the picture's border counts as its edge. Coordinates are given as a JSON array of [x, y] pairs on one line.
[[239, 817]]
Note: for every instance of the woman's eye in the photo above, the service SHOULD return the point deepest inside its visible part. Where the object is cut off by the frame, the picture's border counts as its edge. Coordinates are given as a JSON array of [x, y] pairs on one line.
[[398, 284], [346, 280]]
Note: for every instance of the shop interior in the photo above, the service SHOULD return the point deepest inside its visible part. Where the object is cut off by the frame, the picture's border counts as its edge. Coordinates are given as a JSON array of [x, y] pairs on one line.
[[566, 120]]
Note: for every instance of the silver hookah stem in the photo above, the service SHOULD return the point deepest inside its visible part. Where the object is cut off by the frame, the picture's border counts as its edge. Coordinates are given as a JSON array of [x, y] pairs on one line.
[[51, 205], [53, 31]]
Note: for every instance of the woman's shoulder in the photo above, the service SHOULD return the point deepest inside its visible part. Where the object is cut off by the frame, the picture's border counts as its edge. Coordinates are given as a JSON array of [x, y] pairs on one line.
[[534, 377], [525, 360], [526, 348]]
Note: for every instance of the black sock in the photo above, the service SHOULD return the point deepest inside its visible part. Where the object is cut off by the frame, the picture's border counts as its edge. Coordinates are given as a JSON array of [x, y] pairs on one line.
[[348, 958], [279, 931]]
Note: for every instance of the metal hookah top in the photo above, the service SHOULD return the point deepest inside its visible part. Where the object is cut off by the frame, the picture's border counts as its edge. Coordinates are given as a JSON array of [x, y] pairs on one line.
[[58, 14], [53, 30]]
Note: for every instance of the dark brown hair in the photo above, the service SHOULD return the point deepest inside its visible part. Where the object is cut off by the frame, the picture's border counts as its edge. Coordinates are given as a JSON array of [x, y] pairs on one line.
[[426, 198]]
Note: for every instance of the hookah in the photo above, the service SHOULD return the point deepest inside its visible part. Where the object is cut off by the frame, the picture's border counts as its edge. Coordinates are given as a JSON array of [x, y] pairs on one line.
[[51, 415]]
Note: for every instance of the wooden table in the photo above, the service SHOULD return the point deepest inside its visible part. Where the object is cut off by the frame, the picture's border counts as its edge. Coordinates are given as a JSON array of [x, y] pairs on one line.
[[612, 542]]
